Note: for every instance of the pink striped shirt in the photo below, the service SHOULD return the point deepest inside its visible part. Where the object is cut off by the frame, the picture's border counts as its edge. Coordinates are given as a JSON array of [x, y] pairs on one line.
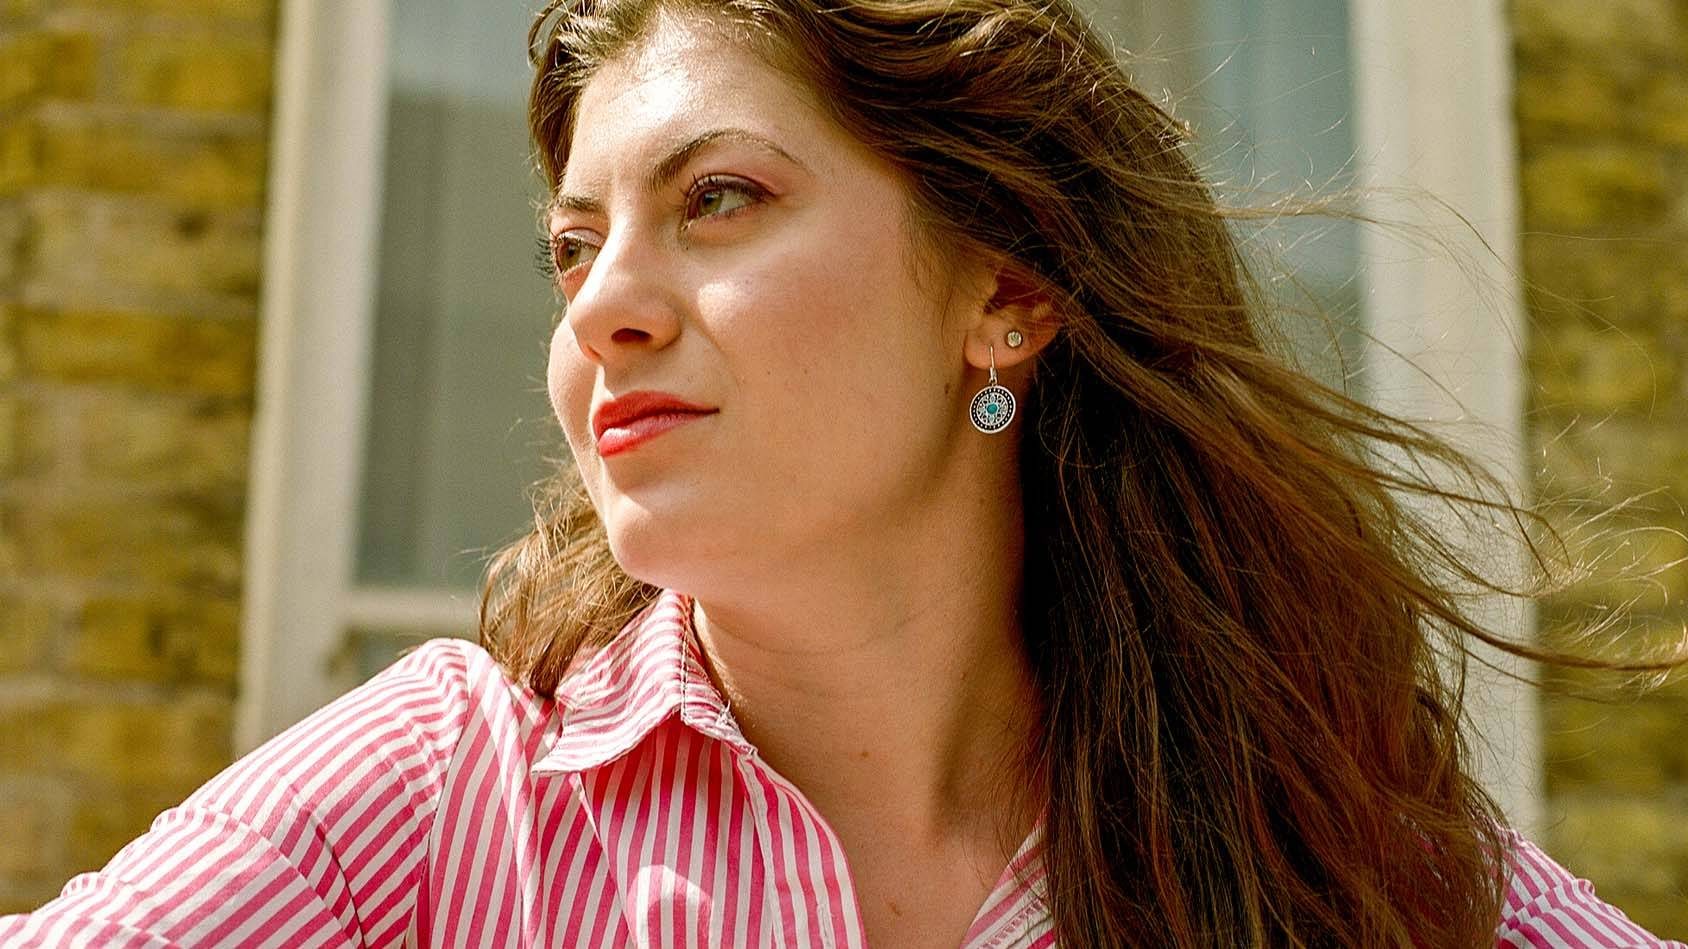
[[440, 804]]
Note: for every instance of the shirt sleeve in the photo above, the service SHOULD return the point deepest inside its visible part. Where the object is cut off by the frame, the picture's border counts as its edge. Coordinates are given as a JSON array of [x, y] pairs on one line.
[[1548, 907], [316, 839]]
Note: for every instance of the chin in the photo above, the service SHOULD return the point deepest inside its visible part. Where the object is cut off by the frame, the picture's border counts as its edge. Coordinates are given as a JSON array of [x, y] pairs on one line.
[[665, 548]]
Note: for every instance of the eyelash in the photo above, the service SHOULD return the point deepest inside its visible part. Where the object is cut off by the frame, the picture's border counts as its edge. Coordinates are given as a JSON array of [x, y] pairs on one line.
[[545, 258], [703, 183], [544, 261]]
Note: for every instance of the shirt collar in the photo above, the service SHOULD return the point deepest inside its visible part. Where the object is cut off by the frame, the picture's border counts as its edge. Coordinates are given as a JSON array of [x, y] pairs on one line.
[[651, 670]]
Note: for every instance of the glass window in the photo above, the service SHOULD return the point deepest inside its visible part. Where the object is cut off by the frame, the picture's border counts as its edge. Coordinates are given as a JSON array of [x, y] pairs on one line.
[[1267, 88], [459, 425]]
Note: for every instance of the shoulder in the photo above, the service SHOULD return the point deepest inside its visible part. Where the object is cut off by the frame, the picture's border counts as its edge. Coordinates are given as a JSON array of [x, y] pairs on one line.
[[326, 831], [455, 673], [448, 683], [466, 690], [401, 732], [1547, 905]]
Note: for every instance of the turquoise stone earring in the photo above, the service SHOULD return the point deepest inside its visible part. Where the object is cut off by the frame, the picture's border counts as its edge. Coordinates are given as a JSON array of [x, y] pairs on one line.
[[993, 406]]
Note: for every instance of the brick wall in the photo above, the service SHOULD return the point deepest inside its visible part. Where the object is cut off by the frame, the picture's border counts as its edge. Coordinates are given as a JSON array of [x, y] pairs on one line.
[[1602, 106], [133, 139]]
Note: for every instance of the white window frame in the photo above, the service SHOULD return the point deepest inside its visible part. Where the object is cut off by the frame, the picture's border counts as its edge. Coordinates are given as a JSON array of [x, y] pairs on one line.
[[322, 227], [1430, 114], [1433, 109]]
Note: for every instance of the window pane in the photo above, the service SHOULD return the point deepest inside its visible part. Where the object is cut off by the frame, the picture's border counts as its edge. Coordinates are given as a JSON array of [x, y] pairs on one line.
[[458, 422], [1266, 86]]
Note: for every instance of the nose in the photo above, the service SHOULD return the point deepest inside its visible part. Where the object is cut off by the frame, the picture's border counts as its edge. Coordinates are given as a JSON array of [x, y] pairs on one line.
[[624, 307]]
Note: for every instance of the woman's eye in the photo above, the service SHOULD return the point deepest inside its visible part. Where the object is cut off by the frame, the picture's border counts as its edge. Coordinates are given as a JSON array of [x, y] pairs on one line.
[[562, 253], [719, 197], [573, 251]]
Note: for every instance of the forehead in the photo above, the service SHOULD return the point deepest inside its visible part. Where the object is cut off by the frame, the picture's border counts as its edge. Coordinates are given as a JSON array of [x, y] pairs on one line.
[[688, 73]]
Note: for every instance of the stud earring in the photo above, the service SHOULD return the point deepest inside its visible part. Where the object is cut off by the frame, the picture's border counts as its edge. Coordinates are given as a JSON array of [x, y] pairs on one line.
[[1015, 339], [993, 406]]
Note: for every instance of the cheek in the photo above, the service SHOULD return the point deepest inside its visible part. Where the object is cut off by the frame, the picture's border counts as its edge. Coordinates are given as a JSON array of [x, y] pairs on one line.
[[568, 380], [824, 305], [841, 350], [864, 332]]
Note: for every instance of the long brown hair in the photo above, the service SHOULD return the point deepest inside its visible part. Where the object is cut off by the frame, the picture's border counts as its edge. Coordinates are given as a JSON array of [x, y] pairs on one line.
[[1240, 621]]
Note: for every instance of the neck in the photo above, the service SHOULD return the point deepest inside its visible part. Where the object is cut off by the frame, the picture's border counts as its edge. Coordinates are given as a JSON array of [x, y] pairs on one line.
[[891, 689]]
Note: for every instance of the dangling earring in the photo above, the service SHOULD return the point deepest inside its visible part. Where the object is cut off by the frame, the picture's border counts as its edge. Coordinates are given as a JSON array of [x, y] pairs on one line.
[[993, 406]]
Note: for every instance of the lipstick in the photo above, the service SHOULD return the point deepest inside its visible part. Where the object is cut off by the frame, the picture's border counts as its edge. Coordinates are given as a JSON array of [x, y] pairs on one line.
[[628, 421]]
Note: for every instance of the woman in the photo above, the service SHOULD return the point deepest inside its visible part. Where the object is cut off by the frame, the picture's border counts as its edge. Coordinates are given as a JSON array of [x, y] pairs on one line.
[[945, 562]]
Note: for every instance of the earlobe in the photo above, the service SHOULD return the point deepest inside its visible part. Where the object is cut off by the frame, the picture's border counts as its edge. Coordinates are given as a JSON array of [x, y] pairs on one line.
[[1016, 317], [1015, 333]]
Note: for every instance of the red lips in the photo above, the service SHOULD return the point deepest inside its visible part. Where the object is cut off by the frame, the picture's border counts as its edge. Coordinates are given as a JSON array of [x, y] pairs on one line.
[[622, 423]]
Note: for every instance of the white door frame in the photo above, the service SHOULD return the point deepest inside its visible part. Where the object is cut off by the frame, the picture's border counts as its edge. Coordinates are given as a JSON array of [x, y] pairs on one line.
[[317, 305], [1433, 113]]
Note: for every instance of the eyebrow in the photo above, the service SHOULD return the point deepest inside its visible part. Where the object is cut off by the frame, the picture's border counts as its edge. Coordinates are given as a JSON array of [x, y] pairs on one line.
[[676, 160]]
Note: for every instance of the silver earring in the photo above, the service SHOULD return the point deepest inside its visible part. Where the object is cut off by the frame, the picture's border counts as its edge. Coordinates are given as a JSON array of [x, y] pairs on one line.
[[993, 406], [1015, 339]]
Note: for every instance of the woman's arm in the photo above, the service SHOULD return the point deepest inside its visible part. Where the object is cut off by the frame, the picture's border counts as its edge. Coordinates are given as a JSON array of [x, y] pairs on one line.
[[1548, 907], [318, 838]]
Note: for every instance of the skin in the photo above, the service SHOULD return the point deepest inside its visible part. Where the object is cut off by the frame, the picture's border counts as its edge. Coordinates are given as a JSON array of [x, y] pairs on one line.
[[853, 544]]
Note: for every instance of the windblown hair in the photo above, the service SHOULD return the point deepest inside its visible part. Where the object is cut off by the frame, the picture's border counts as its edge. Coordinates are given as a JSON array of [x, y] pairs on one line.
[[1240, 619]]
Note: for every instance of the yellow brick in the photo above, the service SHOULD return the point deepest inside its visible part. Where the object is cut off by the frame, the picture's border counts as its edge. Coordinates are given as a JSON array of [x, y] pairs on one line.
[[20, 163], [183, 443], [10, 436], [20, 66], [140, 245], [1634, 27], [10, 557], [29, 435], [1638, 562], [1631, 848], [1570, 94], [70, 69], [1629, 283], [1602, 116], [1597, 633], [1625, 458], [27, 626], [1661, 109], [27, 896], [164, 353], [33, 830], [26, 436], [8, 348], [1583, 369], [203, 72], [14, 223], [1658, 911], [162, 639], [247, 10], [191, 539], [173, 746], [103, 821], [46, 65], [208, 168], [1615, 746], [1594, 187]]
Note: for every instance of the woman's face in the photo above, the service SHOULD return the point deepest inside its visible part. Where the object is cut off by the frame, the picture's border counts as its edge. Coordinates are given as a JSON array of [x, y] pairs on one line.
[[725, 246]]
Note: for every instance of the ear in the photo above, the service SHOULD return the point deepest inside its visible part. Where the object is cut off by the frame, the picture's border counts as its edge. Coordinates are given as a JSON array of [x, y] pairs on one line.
[[1015, 303]]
